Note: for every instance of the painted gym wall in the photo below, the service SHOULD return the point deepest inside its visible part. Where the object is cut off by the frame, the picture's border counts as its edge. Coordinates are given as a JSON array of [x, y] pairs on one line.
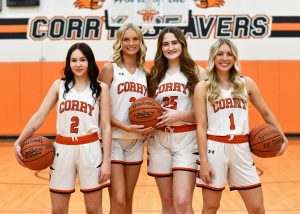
[[35, 40]]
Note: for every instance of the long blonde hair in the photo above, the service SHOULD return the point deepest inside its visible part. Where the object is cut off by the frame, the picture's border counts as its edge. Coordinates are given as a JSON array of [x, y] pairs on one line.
[[118, 56], [213, 83]]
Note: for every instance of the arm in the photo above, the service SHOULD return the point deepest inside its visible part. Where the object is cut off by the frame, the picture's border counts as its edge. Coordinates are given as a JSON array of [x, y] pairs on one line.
[[206, 172], [259, 103], [106, 76], [171, 116], [105, 125], [38, 118]]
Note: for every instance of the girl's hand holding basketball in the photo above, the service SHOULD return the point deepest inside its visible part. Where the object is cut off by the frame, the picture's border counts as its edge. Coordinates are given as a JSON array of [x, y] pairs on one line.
[[206, 173], [105, 172], [283, 146], [169, 116], [19, 157], [139, 129]]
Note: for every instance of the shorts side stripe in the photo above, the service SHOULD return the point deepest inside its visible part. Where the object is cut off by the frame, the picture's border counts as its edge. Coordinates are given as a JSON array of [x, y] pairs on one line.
[[160, 175], [184, 169], [62, 191], [245, 187], [95, 189], [209, 187], [126, 163]]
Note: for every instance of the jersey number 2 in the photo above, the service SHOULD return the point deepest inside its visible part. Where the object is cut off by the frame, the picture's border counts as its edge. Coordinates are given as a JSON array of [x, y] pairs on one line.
[[232, 125], [74, 124]]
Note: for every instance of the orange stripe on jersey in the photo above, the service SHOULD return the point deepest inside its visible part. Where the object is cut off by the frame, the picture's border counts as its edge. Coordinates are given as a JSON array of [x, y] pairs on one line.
[[77, 140], [229, 138], [178, 129], [13, 28], [286, 26]]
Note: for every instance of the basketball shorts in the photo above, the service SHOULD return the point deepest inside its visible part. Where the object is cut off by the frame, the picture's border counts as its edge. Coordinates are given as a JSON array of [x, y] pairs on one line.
[[83, 160], [127, 151], [232, 163], [172, 151]]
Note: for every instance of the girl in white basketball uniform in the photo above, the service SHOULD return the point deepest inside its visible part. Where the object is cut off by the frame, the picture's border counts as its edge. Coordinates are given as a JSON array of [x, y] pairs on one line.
[[221, 109], [126, 78], [172, 151], [81, 101]]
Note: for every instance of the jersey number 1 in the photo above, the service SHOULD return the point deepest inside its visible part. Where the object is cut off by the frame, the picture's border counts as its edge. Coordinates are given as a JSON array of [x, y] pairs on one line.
[[232, 125]]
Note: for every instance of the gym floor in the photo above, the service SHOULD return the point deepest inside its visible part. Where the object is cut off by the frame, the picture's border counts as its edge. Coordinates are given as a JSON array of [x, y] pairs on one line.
[[26, 191]]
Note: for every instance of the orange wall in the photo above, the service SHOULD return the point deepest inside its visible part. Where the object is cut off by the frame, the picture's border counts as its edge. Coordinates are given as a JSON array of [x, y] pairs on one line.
[[23, 86]]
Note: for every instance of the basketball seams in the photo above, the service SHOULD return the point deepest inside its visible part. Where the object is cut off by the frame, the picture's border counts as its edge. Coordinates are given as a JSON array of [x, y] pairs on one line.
[[40, 157], [159, 109], [145, 111], [265, 141], [38, 152], [140, 122], [274, 137], [259, 130]]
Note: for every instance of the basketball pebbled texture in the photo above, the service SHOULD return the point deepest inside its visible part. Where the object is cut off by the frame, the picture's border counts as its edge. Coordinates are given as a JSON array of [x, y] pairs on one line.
[[38, 152], [265, 141], [145, 111]]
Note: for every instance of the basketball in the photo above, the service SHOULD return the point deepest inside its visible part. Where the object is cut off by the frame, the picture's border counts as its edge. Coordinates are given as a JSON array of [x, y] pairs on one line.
[[265, 141], [145, 111], [38, 152]]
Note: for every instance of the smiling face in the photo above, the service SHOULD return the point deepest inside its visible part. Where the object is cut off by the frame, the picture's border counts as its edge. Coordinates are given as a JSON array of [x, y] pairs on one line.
[[78, 63], [224, 59], [171, 47], [130, 42]]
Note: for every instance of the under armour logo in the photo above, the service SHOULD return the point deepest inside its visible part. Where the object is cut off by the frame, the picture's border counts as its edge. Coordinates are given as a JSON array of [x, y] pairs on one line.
[[211, 151], [121, 74], [57, 154]]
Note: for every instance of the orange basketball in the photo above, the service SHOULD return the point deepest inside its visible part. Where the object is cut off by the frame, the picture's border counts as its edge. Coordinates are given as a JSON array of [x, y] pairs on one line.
[[265, 141], [38, 152], [145, 111]]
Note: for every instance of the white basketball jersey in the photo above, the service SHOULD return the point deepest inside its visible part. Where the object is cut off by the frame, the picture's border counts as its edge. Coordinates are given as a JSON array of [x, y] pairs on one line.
[[228, 116], [172, 92], [124, 89], [77, 112]]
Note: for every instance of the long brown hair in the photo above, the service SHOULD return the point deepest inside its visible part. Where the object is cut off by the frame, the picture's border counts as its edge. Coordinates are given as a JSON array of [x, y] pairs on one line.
[[187, 66]]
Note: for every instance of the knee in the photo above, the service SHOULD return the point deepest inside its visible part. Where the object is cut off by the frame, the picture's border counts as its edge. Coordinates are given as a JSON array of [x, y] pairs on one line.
[[118, 205], [183, 206], [211, 207], [167, 202]]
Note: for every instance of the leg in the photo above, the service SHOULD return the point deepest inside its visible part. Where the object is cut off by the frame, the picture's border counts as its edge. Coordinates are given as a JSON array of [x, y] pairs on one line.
[[93, 202], [211, 201], [183, 188], [165, 188], [131, 176], [253, 199], [117, 189], [60, 203]]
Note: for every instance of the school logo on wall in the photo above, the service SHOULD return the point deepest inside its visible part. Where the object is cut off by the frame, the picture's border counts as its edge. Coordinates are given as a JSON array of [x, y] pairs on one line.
[[151, 16]]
